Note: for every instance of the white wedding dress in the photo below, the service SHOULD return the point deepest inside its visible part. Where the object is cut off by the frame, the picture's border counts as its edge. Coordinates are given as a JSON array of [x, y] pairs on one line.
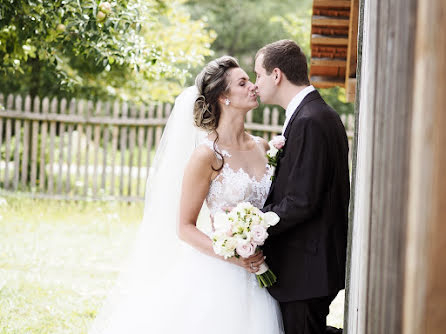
[[173, 290]]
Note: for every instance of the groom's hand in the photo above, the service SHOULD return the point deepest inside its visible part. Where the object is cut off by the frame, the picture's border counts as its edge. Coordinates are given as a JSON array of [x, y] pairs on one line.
[[253, 262]]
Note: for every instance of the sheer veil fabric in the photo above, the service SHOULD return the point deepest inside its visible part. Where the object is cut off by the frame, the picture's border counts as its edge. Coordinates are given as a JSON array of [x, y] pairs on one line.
[[157, 249]]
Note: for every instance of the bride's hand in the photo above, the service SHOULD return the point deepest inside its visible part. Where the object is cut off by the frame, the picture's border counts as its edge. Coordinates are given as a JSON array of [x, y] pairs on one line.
[[251, 264]]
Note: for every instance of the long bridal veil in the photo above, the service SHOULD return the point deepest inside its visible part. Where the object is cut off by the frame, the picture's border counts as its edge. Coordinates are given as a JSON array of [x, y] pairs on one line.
[[157, 248]]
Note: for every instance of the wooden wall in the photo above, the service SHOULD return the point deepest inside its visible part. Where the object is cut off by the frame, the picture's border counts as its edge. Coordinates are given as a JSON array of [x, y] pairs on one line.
[[382, 170], [397, 281]]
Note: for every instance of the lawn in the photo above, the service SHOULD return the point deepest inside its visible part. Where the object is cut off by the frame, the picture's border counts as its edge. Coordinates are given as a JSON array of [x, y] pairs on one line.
[[58, 260]]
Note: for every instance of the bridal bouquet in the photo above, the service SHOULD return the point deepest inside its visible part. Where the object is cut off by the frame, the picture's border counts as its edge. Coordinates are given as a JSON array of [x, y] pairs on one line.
[[241, 232]]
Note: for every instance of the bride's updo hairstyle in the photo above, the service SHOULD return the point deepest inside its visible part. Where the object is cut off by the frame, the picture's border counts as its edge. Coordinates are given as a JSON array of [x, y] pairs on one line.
[[211, 83]]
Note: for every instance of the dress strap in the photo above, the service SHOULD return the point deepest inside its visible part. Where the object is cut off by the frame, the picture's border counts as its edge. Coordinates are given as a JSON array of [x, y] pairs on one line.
[[256, 138], [210, 144]]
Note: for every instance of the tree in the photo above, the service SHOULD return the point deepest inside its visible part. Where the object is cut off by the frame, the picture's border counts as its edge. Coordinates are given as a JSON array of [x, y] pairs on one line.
[[98, 49], [243, 27]]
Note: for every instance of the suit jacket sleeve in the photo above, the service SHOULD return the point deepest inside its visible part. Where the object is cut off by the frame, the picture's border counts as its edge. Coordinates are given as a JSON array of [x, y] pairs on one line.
[[307, 181]]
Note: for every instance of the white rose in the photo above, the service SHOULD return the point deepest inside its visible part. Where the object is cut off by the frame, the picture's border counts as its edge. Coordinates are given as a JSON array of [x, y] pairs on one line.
[[259, 235], [231, 244], [246, 249], [272, 152], [271, 218], [255, 220], [278, 142]]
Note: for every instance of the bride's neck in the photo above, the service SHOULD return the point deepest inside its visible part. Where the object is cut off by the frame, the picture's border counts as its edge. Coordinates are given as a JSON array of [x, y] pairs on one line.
[[231, 130]]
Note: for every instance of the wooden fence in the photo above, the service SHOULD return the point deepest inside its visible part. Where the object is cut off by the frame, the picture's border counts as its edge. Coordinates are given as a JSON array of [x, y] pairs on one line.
[[83, 150]]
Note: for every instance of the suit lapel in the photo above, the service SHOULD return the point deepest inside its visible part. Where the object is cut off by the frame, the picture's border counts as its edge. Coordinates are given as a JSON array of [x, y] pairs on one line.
[[310, 97]]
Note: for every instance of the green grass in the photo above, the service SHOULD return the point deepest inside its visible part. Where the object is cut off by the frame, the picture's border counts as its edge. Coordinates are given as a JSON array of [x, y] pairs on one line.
[[59, 259]]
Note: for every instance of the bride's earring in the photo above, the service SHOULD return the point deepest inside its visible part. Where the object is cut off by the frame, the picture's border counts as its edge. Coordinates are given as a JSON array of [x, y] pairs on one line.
[[227, 102]]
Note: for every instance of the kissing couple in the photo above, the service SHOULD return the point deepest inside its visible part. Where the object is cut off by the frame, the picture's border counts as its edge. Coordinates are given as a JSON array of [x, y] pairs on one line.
[[174, 281]]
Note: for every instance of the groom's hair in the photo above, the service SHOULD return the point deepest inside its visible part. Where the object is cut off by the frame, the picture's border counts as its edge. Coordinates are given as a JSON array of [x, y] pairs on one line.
[[287, 56]]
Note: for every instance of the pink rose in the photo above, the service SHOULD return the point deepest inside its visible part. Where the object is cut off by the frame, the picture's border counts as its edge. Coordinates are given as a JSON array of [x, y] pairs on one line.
[[245, 249], [259, 234], [278, 142]]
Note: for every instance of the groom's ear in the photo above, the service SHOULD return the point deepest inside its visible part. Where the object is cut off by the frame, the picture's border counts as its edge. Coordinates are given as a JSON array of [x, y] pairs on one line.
[[277, 75]]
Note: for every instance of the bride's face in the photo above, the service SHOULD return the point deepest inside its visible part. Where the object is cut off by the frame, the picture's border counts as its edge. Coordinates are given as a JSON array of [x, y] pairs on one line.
[[241, 93]]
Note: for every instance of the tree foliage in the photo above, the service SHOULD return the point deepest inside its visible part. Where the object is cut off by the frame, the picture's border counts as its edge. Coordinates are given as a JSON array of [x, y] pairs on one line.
[[89, 48], [243, 27]]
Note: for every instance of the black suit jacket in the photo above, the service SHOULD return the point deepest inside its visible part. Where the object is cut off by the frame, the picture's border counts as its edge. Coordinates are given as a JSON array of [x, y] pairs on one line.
[[310, 193]]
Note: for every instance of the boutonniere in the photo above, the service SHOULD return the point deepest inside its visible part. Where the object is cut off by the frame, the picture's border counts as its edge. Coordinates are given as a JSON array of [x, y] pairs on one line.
[[275, 147]]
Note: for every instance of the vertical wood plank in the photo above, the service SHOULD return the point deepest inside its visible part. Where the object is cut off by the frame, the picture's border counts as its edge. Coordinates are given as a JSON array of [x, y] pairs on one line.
[[159, 129], [2, 108], [51, 174], [35, 144], [132, 138], [62, 145], [43, 146], [69, 178], [425, 270], [97, 135], [275, 120], [115, 135], [123, 149], [26, 144], [80, 146], [9, 106], [17, 135], [266, 116], [142, 113], [87, 147], [149, 140], [105, 147]]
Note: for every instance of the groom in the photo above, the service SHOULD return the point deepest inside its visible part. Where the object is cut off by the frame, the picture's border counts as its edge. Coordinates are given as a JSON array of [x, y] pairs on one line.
[[310, 192]]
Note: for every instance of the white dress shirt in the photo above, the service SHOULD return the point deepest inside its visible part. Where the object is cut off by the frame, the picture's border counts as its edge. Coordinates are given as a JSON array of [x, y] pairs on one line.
[[294, 103]]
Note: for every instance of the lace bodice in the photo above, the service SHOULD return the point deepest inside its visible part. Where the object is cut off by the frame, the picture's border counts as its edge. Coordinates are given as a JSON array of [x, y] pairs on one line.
[[234, 184]]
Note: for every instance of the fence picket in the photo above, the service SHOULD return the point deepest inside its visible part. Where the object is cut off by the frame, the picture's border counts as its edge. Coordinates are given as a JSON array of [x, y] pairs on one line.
[[53, 111], [63, 110], [142, 114], [115, 134], [275, 120], [72, 111], [87, 147], [43, 142], [17, 135], [266, 116], [96, 141], [106, 130], [35, 144], [2, 107], [26, 143], [159, 129], [79, 133], [123, 149], [9, 105], [149, 139], [132, 138]]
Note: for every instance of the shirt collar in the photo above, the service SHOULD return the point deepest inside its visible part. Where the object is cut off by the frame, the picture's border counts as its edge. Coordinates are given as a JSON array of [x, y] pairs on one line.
[[294, 103]]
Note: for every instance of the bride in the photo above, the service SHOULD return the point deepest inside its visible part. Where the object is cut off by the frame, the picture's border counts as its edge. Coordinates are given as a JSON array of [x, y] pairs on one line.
[[174, 282]]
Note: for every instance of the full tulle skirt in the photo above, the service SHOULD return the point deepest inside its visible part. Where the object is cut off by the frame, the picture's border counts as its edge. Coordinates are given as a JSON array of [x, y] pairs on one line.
[[200, 294]]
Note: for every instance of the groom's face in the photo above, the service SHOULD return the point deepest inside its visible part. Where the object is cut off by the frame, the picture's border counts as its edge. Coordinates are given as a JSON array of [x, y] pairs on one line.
[[265, 82]]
